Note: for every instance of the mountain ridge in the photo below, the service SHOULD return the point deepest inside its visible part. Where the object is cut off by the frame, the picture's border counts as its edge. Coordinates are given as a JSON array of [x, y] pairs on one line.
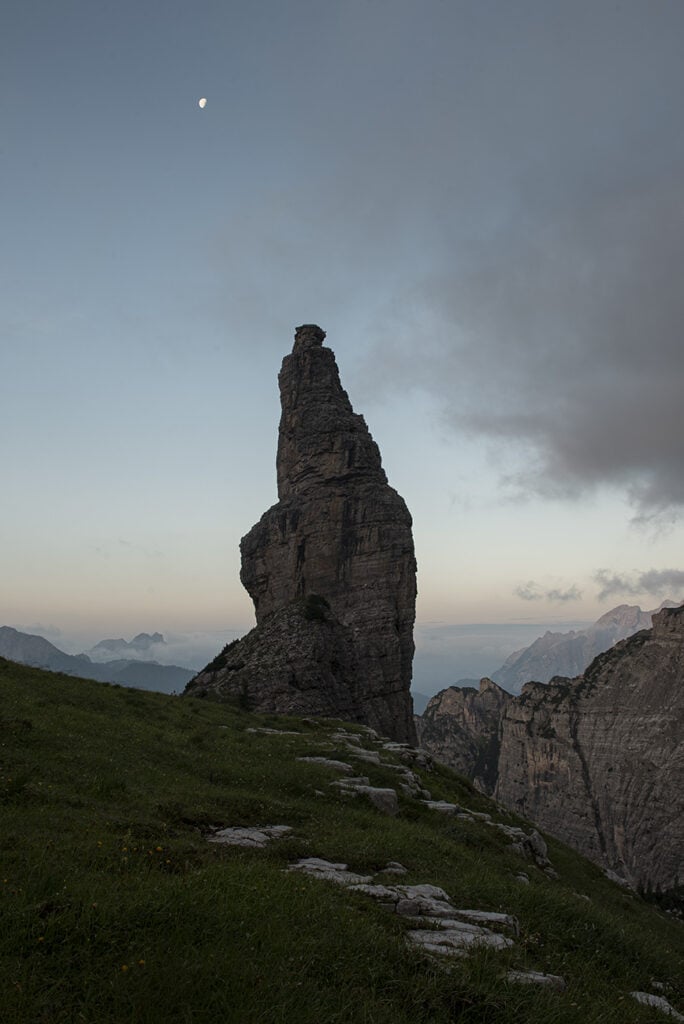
[[569, 654], [597, 759], [37, 652]]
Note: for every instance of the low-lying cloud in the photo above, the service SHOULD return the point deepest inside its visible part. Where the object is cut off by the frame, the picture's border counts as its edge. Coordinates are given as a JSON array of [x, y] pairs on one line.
[[658, 582], [39, 629], [191, 650], [532, 591]]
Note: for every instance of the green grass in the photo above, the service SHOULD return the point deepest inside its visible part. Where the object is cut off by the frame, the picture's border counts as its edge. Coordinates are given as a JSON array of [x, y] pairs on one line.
[[115, 908]]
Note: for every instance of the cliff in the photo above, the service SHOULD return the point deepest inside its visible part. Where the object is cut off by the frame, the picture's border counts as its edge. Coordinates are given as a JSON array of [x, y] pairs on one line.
[[330, 568], [597, 760]]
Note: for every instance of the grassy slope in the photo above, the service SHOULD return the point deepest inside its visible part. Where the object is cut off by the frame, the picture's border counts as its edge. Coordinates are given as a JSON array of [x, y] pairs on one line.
[[115, 908]]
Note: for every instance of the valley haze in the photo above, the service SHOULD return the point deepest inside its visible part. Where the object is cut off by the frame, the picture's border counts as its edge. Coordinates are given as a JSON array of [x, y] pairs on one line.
[[446, 655]]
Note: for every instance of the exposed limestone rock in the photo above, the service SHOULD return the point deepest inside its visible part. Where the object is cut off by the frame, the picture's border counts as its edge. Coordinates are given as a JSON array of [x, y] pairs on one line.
[[443, 805], [658, 1002], [457, 939], [270, 732], [330, 568], [385, 800], [257, 836], [451, 932], [394, 868], [370, 756], [410, 784], [597, 761], [536, 978], [340, 766], [491, 917], [329, 871]]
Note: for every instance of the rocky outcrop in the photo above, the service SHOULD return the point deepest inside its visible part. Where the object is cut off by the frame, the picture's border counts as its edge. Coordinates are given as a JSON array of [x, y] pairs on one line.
[[597, 760], [330, 568]]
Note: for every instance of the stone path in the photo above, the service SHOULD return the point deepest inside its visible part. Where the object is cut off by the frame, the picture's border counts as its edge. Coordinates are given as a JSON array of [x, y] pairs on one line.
[[529, 846], [445, 929], [436, 926]]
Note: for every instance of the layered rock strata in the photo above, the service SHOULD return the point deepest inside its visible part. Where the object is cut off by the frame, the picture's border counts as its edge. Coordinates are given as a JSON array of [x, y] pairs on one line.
[[330, 568], [597, 760]]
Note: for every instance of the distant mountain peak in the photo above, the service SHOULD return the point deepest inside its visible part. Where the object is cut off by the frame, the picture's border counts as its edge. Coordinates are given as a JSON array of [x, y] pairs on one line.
[[147, 639], [141, 642], [125, 668], [569, 654], [625, 616]]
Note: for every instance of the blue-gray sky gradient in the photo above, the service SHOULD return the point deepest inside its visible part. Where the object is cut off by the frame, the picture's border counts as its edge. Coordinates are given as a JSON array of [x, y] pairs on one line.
[[481, 202]]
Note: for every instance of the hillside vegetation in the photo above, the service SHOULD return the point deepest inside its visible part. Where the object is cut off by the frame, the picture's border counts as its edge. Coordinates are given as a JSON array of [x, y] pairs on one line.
[[116, 907]]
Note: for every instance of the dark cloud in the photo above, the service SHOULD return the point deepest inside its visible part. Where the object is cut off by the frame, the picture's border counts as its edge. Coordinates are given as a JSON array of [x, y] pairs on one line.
[[562, 339], [531, 591], [498, 203], [553, 328], [658, 582]]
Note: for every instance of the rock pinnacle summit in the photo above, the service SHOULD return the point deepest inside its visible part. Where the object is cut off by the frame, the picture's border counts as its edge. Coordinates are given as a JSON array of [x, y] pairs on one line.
[[330, 568]]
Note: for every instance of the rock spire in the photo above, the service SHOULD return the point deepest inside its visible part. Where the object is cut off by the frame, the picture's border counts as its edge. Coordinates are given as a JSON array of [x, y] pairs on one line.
[[330, 568]]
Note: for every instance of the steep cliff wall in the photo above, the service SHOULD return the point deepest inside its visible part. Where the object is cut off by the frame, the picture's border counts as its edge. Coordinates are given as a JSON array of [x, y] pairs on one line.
[[597, 760], [334, 557]]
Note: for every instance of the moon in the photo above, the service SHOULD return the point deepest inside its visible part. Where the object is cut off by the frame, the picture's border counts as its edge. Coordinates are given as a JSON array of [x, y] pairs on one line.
[[202, 103]]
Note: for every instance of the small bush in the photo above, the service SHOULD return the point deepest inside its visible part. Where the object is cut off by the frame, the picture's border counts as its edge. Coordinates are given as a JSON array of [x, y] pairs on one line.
[[316, 608]]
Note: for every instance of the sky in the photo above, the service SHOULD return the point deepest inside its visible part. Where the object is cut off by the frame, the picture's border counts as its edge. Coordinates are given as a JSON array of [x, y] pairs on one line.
[[481, 202]]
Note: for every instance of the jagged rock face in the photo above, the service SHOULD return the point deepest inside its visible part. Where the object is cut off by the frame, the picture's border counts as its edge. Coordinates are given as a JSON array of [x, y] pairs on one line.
[[597, 760], [340, 533]]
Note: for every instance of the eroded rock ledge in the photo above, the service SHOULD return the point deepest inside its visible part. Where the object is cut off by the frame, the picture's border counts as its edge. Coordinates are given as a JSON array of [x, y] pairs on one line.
[[330, 568]]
